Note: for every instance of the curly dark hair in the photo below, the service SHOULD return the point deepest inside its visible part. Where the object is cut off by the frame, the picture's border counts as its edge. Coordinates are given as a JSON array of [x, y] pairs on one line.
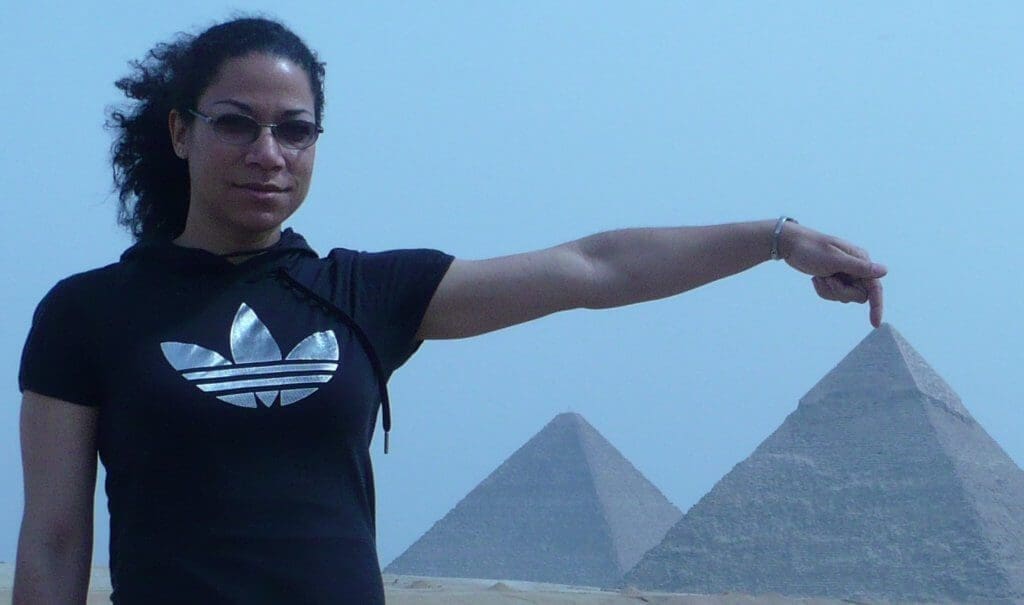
[[152, 182]]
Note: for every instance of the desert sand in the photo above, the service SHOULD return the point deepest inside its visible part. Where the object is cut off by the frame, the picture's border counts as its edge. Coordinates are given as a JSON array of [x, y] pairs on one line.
[[419, 590]]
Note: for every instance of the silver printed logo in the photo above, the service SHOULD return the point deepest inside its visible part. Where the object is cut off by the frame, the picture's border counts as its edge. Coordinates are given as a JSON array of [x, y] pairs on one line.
[[258, 372]]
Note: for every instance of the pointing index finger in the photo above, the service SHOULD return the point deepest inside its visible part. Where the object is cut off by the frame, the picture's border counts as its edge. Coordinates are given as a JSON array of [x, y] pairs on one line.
[[874, 287]]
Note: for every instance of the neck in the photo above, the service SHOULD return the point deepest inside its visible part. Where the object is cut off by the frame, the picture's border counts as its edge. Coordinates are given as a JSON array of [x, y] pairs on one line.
[[227, 243]]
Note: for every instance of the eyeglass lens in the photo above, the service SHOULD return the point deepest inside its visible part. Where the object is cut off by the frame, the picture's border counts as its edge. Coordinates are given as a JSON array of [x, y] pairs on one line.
[[242, 130]]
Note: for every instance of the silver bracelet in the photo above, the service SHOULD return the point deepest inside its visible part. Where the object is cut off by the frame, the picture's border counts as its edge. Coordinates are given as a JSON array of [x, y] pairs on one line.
[[777, 232]]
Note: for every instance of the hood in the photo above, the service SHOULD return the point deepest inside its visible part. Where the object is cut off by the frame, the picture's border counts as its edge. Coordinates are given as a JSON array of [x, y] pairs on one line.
[[172, 256]]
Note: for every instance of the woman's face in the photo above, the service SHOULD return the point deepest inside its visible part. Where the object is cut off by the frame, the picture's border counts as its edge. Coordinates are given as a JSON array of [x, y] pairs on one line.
[[245, 192]]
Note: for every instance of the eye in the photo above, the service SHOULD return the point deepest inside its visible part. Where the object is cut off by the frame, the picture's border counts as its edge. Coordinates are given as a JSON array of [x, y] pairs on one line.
[[236, 127], [297, 133]]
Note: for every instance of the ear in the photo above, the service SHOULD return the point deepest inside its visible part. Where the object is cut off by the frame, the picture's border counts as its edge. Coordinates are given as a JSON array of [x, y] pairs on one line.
[[179, 133]]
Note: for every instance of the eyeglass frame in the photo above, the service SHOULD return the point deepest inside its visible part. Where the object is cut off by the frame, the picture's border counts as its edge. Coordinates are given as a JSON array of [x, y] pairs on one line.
[[271, 125]]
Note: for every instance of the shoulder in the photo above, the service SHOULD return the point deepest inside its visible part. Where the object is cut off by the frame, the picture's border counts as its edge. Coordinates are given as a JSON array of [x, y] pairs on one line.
[[78, 295], [389, 265], [93, 278], [86, 283], [390, 258]]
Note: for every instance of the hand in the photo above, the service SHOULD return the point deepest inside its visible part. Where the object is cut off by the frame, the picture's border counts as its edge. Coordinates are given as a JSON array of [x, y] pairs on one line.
[[840, 271]]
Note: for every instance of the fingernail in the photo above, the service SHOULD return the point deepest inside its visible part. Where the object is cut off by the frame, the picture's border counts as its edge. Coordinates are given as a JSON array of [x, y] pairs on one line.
[[878, 270]]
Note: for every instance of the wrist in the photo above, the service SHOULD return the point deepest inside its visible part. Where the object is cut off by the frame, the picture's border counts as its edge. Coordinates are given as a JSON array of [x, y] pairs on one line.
[[785, 230]]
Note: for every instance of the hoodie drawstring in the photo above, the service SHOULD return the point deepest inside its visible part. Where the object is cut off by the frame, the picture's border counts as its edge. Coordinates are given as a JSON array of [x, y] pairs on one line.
[[382, 384]]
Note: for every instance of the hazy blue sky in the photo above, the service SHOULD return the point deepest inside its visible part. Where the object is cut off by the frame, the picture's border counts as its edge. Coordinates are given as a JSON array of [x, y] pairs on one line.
[[483, 128]]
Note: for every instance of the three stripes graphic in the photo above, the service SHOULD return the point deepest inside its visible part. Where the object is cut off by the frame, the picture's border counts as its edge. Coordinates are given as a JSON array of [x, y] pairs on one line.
[[258, 372]]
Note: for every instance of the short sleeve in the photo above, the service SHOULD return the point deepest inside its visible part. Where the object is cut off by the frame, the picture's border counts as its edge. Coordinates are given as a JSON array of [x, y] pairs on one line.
[[391, 291], [56, 360]]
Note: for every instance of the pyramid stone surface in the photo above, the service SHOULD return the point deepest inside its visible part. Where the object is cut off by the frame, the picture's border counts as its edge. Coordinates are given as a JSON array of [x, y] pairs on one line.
[[880, 486], [566, 508]]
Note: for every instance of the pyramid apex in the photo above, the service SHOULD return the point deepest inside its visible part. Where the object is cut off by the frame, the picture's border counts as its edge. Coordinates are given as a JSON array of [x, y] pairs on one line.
[[567, 420], [567, 415], [883, 364], [887, 328], [889, 332]]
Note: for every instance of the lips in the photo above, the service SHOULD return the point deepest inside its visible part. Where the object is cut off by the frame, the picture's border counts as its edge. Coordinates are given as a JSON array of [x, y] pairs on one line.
[[262, 187]]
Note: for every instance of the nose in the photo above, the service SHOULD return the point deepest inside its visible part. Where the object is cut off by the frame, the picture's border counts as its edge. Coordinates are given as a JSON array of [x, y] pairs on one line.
[[265, 151]]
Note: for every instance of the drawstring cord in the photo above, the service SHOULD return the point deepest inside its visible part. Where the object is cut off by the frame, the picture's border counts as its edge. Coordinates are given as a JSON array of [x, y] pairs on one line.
[[382, 384]]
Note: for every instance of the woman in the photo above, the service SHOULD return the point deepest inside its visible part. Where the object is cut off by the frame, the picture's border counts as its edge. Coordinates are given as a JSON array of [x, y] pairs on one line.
[[229, 377]]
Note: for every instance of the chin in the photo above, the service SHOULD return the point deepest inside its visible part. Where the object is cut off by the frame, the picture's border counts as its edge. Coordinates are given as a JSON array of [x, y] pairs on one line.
[[261, 217], [252, 223], [262, 224]]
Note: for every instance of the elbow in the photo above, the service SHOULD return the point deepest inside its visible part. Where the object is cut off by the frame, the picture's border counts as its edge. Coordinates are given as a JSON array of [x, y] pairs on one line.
[[56, 540], [69, 542], [603, 280], [52, 566]]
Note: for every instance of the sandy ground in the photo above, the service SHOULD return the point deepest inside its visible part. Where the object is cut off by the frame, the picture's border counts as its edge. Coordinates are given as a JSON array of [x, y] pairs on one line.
[[410, 590], [415, 590]]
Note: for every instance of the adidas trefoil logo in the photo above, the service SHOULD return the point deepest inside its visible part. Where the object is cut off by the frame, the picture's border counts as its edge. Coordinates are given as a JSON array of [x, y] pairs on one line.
[[258, 372]]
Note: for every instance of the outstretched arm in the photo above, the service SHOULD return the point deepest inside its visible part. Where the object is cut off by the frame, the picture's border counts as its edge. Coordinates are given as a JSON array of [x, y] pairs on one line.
[[627, 266]]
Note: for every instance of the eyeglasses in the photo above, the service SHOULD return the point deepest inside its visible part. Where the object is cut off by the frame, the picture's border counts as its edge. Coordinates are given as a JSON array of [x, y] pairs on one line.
[[238, 129]]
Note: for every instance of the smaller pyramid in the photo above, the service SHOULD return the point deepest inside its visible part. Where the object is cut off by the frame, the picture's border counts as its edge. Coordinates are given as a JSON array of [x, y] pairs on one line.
[[565, 508], [880, 486]]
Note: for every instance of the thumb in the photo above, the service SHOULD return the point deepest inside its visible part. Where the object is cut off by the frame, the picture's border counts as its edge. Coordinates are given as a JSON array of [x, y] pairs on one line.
[[860, 267]]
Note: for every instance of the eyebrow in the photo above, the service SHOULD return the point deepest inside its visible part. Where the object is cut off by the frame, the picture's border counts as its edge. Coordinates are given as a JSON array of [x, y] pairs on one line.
[[288, 113]]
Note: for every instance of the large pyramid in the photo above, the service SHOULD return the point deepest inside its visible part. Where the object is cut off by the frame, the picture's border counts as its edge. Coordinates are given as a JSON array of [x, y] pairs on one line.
[[879, 486], [566, 507]]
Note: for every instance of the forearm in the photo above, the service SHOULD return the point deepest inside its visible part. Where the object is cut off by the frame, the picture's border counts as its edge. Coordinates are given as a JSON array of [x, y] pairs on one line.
[[635, 265], [54, 572]]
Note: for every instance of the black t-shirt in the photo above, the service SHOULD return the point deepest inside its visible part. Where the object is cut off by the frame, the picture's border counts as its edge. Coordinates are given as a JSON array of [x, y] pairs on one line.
[[235, 412]]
